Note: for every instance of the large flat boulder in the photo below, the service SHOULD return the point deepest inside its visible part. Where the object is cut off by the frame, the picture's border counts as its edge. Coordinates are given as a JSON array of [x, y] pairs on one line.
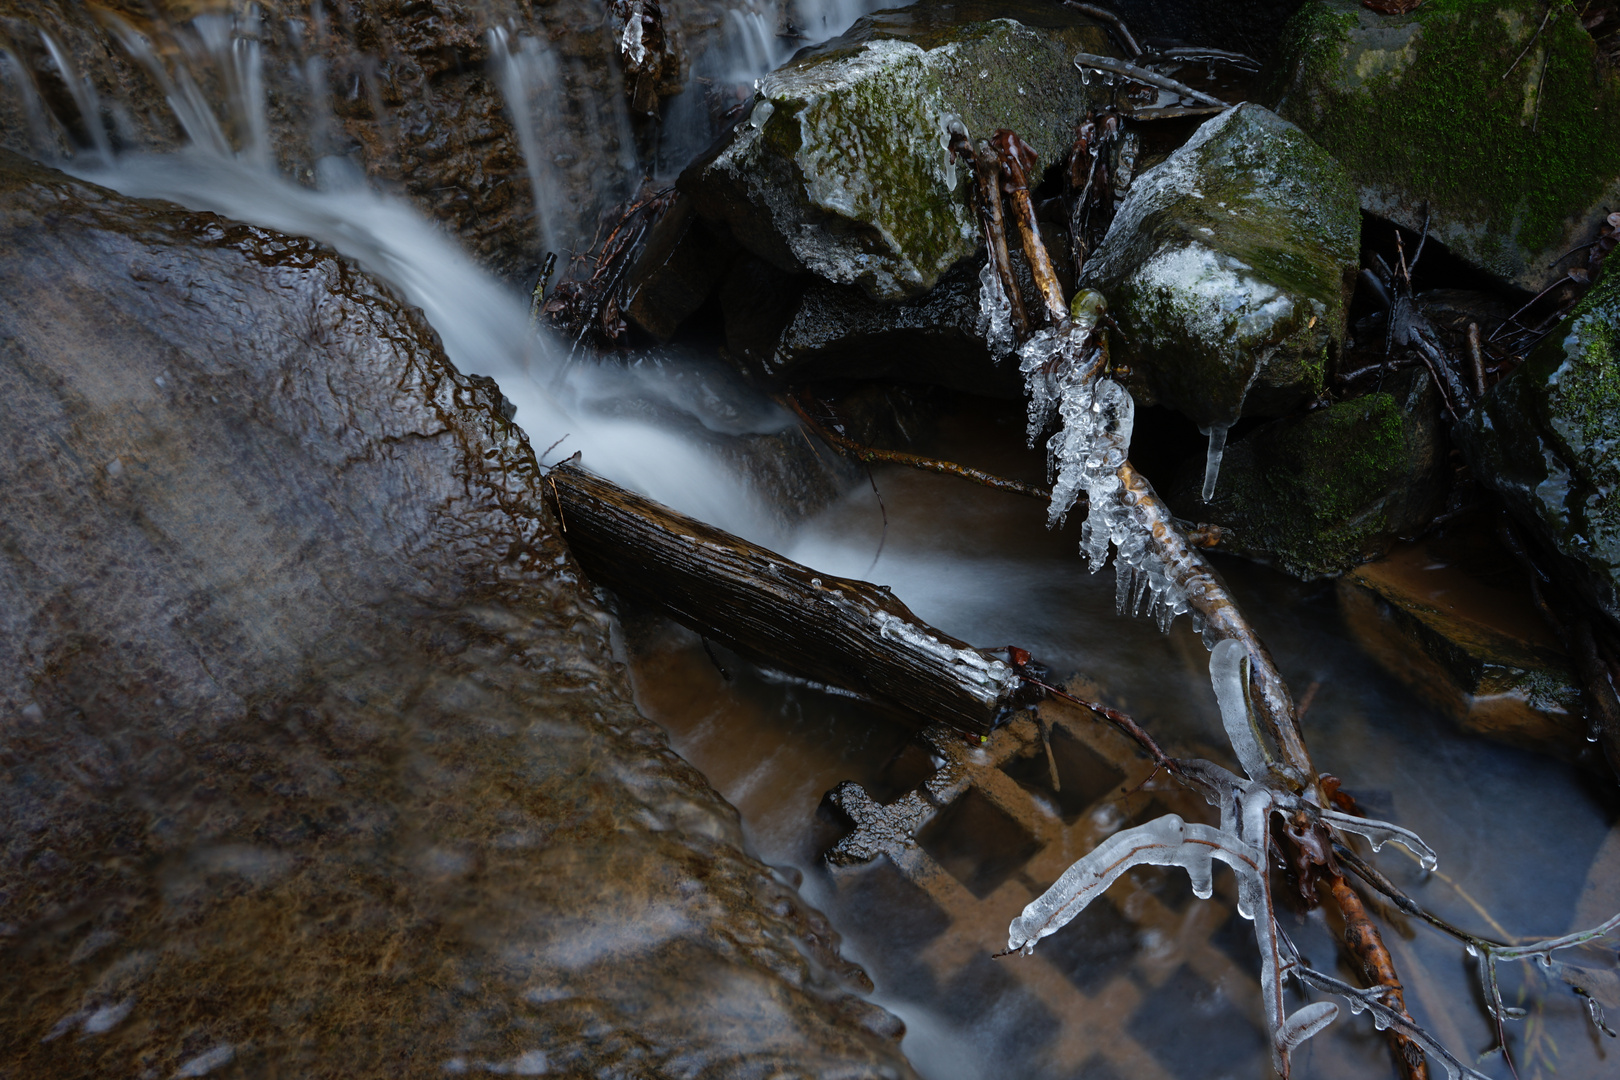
[[840, 165], [1503, 132], [314, 759]]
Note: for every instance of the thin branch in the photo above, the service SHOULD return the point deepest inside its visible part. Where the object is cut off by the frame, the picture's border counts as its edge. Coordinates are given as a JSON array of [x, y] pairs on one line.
[[870, 455], [1114, 22], [1144, 76]]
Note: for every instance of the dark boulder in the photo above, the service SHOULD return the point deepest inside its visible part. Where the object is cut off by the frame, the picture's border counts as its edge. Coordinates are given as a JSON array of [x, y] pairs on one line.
[[1547, 438], [1320, 492], [1503, 132], [1229, 267], [313, 755]]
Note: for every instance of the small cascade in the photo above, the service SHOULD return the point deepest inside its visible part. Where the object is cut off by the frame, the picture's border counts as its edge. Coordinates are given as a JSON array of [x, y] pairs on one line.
[[85, 98], [530, 82]]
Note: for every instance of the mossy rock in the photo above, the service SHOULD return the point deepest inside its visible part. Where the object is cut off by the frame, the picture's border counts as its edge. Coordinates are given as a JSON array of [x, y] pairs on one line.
[[842, 165], [1229, 269], [1547, 437], [1319, 493], [1513, 171]]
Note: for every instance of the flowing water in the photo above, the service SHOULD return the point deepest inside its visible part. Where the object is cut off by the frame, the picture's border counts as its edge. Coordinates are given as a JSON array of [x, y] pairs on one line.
[[1150, 984]]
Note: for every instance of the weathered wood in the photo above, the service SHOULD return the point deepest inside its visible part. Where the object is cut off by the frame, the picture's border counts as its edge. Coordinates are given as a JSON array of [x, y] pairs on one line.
[[776, 612]]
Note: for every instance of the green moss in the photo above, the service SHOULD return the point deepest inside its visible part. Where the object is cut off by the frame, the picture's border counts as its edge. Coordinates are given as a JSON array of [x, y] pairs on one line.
[[1418, 105], [1322, 492]]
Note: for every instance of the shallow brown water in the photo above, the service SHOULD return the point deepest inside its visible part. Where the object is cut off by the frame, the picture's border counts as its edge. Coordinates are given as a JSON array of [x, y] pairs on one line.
[[1151, 983]]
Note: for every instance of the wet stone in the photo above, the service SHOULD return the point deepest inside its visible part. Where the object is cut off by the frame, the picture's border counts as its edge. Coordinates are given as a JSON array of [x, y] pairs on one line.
[[1451, 618], [1229, 268], [840, 165], [312, 752], [1504, 132], [1318, 493], [1546, 438]]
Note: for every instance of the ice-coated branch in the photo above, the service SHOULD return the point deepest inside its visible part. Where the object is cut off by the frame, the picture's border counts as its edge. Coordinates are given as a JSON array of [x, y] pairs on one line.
[[1381, 833], [1164, 841], [1386, 1018]]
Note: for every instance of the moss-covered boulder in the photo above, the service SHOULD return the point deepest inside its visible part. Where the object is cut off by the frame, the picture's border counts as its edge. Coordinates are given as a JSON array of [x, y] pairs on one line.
[[1229, 269], [1323, 491], [841, 166], [1515, 163], [1548, 438]]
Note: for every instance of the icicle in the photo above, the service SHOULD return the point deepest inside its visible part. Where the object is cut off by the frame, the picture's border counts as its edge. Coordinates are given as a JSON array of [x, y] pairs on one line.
[[1306, 1022], [995, 318], [1212, 457], [1381, 832], [1229, 672]]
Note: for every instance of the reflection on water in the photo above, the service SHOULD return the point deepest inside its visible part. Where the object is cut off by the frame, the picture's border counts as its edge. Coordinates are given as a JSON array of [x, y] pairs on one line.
[[1150, 983]]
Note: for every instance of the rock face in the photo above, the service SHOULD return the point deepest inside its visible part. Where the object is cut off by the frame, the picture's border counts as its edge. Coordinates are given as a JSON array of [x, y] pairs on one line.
[[312, 756], [1229, 268], [840, 166], [1324, 491], [837, 332], [407, 93], [1515, 163], [1548, 439]]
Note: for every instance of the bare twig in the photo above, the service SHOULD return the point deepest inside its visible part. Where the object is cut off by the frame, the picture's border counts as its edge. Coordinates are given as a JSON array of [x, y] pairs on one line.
[[1114, 22], [987, 200], [1535, 37], [870, 454], [1017, 159], [1366, 947], [1144, 76]]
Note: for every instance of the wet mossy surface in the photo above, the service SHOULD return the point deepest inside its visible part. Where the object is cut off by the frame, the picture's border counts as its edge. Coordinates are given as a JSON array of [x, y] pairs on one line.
[[1321, 492], [1547, 438], [1229, 269], [841, 165], [1515, 163]]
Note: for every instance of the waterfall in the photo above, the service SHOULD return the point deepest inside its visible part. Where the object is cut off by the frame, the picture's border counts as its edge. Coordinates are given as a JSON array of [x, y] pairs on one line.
[[657, 447]]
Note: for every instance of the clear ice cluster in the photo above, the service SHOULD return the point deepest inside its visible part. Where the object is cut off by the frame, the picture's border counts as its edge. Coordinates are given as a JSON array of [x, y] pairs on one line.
[[995, 314], [1061, 380]]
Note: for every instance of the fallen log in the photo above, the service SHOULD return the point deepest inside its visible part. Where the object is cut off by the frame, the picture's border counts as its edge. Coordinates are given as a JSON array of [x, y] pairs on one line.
[[850, 634]]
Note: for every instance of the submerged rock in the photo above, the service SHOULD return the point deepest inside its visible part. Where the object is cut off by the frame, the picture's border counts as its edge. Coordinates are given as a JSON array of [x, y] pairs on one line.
[[1548, 439], [1505, 132], [313, 756], [1457, 625], [841, 166], [1229, 268], [1321, 492]]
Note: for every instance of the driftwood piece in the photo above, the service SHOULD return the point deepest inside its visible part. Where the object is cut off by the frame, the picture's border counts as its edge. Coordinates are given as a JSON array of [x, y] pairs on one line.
[[850, 634]]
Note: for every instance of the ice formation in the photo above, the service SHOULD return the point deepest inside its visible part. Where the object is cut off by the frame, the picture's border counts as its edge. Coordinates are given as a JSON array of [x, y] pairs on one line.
[[1212, 458], [995, 314], [1062, 378]]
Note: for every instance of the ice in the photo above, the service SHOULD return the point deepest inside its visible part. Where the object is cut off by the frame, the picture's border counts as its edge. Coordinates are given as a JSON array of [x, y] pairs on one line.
[[1381, 832], [1212, 457], [1229, 672], [1164, 841], [995, 314], [1096, 414], [1306, 1022]]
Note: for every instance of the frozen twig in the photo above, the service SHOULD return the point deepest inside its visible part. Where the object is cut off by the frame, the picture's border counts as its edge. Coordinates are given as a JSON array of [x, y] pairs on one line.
[[1146, 77]]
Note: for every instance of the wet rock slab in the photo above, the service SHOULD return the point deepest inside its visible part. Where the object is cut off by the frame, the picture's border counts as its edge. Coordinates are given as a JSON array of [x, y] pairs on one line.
[[1504, 132], [313, 759], [1453, 620], [840, 165], [1229, 268]]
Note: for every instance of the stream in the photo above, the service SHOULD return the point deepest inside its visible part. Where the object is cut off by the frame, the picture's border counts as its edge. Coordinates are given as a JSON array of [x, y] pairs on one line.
[[1148, 984]]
